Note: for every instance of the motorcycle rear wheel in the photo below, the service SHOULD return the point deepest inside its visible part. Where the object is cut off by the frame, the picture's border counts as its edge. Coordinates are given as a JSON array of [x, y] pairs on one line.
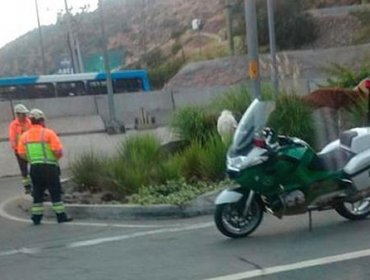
[[232, 223], [354, 211]]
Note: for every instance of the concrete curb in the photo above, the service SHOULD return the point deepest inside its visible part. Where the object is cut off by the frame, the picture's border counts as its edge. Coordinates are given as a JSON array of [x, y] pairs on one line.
[[203, 205]]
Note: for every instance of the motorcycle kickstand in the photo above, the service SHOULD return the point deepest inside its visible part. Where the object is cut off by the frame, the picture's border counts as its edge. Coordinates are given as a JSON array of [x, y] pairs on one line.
[[309, 210]]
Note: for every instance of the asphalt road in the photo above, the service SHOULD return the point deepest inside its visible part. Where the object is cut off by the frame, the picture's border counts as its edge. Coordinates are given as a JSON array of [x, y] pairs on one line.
[[185, 249]]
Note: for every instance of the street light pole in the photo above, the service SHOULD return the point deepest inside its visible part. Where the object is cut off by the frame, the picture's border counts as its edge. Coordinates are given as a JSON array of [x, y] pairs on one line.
[[41, 39], [228, 19], [274, 69], [71, 40], [252, 45], [113, 125]]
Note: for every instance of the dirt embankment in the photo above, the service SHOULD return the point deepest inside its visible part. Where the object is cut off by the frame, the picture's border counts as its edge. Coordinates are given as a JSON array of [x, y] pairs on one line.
[[336, 36], [335, 31]]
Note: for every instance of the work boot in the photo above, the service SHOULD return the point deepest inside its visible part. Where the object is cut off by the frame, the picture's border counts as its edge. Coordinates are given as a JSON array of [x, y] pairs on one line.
[[28, 189], [46, 196], [63, 218], [36, 219]]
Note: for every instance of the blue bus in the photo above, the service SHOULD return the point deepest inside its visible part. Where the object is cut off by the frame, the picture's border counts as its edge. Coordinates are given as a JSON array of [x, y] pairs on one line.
[[68, 85]]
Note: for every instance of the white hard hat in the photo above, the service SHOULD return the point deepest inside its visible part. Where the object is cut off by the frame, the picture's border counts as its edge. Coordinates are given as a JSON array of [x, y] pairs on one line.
[[20, 109], [37, 114]]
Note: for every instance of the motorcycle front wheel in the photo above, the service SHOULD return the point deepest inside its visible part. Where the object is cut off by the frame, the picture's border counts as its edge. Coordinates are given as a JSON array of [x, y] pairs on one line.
[[231, 222], [354, 211]]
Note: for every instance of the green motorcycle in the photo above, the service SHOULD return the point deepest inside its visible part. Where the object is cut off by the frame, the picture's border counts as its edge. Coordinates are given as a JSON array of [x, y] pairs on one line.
[[285, 176]]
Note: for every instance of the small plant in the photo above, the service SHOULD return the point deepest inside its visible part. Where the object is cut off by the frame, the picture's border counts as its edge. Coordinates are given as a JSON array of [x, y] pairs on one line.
[[137, 163], [362, 35], [161, 74], [169, 168], [204, 161], [89, 171], [191, 159], [293, 117], [140, 148], [212, 51], [357, 113], [236, 99], [345, 77], [176, 192], [176, 47], [213, 161], [194, 123]]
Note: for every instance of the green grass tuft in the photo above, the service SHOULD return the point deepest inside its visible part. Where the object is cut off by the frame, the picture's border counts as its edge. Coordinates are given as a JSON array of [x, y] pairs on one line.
[[293, 117]]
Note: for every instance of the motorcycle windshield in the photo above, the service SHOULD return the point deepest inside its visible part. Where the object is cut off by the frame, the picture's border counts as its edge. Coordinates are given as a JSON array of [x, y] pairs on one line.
[[250, 123]]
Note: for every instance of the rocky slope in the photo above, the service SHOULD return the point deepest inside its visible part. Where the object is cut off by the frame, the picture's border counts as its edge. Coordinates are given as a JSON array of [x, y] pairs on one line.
[[335, 44]]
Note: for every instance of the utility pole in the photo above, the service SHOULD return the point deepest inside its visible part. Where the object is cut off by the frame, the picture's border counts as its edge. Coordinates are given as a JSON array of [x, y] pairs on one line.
[[71, 40], [199, 42], [274, 69], [228, 19], [79, 56], [113, 125], [41, 39], [252, 45], [144, 32]]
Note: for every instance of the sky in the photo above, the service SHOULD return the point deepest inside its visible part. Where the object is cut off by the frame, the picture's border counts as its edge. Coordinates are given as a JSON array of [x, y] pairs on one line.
[[17, 17]]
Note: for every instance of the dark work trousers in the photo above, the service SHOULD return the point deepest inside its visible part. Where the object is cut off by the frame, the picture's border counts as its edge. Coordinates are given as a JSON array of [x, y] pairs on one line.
[[45, 176], [23, 165]]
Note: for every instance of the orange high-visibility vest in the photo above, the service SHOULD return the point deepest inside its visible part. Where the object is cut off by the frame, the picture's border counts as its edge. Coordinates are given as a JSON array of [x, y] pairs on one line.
[[40, 145], [16, 128]]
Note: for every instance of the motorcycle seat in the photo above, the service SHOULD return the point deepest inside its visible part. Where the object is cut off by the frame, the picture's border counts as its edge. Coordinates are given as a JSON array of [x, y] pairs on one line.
[[333, 160]]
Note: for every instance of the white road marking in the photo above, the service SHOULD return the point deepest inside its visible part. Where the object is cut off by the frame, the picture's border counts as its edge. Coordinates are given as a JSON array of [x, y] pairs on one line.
[[98, 241], [9, 253], [93, 242], [6, 215], [28, 251], [294, 266]]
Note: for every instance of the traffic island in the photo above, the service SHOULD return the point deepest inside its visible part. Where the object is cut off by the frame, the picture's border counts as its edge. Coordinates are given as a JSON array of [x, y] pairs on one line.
[[202, 205]]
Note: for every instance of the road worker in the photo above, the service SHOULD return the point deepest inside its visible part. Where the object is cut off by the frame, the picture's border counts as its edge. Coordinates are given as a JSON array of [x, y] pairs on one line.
[[20, 124], [42, 148]]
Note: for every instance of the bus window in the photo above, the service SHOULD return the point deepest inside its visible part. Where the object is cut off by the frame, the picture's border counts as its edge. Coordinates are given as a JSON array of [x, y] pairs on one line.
[[46, 90], [133, 85], [127, 85], [96, 87], [6, 92], [41, 90], [21, 93], [70, 89]]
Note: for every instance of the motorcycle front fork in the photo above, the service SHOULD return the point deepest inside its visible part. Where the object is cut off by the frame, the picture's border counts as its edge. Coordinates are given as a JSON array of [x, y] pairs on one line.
[[248, 203]]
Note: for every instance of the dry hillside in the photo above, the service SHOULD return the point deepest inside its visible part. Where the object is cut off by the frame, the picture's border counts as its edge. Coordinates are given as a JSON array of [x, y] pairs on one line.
[[335, 44], [134, 27]]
